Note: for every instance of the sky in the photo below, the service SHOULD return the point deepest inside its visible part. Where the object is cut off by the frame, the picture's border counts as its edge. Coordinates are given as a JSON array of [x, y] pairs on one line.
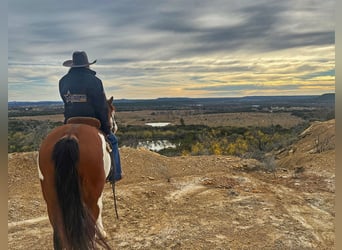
[[148, 49]]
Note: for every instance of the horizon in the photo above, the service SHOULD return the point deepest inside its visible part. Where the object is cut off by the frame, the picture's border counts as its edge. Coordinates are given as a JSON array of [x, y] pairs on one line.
[[226, 97], [193, 48]]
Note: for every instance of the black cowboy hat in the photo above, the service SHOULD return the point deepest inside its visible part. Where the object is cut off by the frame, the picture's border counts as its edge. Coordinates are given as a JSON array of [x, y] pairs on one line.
[[79, 59]]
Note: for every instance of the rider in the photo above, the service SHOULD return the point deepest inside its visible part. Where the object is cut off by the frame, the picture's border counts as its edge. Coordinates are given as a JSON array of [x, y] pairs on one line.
[[83, 95]]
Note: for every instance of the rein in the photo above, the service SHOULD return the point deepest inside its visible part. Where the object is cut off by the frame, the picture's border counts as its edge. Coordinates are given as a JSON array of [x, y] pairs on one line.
[[114, 199], [113, 186], [114, 129]]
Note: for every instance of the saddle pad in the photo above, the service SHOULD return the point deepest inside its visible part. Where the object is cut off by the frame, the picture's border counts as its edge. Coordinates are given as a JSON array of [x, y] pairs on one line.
[[84, 120]]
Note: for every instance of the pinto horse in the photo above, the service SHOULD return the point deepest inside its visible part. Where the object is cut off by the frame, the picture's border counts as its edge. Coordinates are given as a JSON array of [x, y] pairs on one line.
[[73, 164]]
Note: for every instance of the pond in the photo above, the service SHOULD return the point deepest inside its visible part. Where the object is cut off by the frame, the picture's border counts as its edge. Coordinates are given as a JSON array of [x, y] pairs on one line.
[[156, 145], [158, 124]]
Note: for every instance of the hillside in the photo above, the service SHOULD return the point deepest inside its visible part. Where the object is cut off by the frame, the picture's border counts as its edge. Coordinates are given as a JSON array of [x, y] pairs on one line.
[[202, 202]]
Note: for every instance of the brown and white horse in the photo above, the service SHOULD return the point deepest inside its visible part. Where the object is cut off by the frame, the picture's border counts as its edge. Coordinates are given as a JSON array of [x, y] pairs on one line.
[[73, 164]]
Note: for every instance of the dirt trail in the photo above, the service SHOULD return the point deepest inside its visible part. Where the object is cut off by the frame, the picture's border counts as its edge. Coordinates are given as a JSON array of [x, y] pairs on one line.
[[204, 202]]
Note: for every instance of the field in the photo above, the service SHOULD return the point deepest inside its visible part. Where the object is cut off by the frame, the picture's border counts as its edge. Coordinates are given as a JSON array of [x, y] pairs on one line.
[[245, 119]]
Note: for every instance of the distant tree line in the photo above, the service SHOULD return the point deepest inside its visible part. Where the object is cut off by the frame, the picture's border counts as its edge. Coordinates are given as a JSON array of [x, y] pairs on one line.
[[34, 112], [322, 114]]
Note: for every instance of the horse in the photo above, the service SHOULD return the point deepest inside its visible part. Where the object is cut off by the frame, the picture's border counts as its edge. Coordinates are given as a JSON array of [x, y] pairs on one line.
[[73, 163]]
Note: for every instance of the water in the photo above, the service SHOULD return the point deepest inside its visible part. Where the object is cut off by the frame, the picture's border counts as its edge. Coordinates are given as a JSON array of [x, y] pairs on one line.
[[158, 124], [156, 145]]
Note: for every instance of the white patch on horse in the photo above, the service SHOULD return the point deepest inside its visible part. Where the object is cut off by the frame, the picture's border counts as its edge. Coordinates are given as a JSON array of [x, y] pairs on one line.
[[113, 126], [99, 219], [106, 155], [39, 172], [106, 165]]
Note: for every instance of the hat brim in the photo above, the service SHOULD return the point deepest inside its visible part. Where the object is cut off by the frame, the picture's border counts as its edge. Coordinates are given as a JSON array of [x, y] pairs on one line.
[[70, 63]]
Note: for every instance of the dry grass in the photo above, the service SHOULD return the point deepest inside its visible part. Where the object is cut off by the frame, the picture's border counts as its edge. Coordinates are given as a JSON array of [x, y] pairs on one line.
[[244, 119]]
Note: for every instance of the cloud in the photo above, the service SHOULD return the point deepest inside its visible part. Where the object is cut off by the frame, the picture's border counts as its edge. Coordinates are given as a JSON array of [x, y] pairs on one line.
[[157, 43], [319, 74], [258, 87]]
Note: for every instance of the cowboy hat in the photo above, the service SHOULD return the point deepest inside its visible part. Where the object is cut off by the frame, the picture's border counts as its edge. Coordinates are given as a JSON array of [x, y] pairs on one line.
[[79, 59]]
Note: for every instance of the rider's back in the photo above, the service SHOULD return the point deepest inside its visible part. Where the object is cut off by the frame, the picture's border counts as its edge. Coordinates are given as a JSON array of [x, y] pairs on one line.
[[83, 94]]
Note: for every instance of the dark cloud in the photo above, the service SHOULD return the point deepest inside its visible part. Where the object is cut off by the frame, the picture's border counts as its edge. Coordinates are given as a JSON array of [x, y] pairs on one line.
[[291, 40], [318, 74], [119, 25]]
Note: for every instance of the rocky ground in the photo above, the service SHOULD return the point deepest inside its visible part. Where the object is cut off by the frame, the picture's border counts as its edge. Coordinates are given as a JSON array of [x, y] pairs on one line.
[[202, 202]]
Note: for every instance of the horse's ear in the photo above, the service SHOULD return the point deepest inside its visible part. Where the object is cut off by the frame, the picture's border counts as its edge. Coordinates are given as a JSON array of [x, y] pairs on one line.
[[111, 99]]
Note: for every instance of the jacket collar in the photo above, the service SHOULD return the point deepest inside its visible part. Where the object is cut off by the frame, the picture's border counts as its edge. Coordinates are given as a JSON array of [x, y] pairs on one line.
[[83, 70]]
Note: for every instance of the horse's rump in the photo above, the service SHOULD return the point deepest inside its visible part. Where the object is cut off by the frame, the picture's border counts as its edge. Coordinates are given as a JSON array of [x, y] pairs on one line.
[[73, 164]]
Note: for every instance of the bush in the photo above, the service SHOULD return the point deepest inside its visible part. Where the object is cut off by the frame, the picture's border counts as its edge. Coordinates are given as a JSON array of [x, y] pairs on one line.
[[27, 135]]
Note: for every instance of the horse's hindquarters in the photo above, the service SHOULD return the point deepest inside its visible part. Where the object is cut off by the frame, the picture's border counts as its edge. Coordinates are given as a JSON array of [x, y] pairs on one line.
[[73, 166]]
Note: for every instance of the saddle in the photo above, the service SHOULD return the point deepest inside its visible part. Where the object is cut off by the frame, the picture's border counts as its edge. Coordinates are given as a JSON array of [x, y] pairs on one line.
[[91, 121]]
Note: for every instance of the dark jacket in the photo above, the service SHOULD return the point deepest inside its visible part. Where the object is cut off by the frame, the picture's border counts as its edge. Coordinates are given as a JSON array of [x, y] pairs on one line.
[[83, 95]]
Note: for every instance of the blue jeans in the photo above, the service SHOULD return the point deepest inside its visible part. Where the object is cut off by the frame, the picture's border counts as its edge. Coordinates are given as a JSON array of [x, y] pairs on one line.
[[116, 156]]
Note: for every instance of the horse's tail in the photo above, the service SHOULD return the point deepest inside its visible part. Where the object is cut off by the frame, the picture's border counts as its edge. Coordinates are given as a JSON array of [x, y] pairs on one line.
[[77, 221]]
